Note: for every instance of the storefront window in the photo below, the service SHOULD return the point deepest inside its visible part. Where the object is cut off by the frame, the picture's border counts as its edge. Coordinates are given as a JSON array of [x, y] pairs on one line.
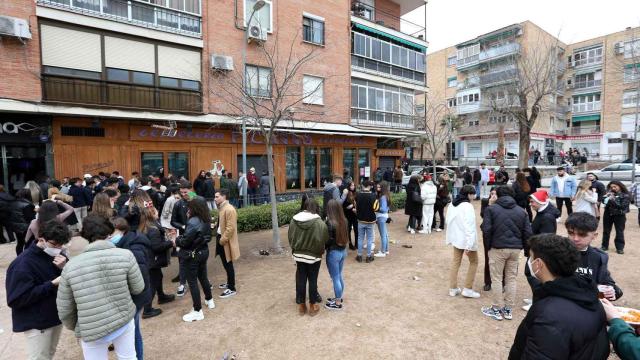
[[310, 167], [292, 166], [179, 164], [363, 164], [325, 166], [349, 163], [151, 162]]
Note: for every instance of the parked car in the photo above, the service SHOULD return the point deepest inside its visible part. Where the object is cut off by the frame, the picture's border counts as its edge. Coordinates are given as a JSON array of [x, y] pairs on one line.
[[617, 171], [416, 169]]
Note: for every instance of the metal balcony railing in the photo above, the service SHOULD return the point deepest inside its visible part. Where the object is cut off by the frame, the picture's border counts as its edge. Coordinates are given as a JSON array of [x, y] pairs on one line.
[[134, 13], [469, 83], [103, 93], [504, 50], [467, 62], [498, 77], [587, 84], [387, 19], [585, 130], [561, 68], [383, 119], [486, 127]]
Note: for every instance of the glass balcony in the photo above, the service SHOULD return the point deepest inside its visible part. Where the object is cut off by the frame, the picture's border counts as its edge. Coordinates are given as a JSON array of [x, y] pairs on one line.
[[134, 13], [585, 130], [382, 119], [587, 84], [474, 107], [467, 62], [498, 52], [498, 77]]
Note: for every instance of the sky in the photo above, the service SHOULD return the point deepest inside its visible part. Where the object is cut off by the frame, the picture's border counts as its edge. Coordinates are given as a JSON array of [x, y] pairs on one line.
[[450, 22]]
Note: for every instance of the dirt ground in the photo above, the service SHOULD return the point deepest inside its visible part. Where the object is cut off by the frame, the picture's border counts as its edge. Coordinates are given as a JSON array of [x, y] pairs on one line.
[[395, 308]]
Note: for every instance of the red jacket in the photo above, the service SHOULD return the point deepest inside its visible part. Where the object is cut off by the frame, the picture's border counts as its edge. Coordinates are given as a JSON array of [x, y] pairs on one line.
[[252, 179]]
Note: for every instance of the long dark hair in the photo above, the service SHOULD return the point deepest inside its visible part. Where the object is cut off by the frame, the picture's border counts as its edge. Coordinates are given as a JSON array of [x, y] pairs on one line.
[[522, 182], [535, 173], [623, 188], [198, 208], [312, 206], [384, 190], [351, 195], [335, 216]]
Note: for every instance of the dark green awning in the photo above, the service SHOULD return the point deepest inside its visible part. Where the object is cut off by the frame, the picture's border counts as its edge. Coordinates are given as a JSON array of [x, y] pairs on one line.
[[392, 37], [585, 118]]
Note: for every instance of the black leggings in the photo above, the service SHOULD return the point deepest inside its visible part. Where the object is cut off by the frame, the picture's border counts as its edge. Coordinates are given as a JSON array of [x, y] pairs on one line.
[[20, 245], [437, 209], [608, 222], [352, 222], [307, 273], [197, 271]]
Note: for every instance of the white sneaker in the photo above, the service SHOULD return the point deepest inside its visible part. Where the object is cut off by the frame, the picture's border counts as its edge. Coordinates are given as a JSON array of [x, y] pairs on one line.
[[386, 253], [423, 232], [527, 301], [408, 229], [210, 304], [181, 291], [454, 292], [379, 254], [558, 220], [469, 293], [194, 316], [412, 232], [526, 307], [438, 229]]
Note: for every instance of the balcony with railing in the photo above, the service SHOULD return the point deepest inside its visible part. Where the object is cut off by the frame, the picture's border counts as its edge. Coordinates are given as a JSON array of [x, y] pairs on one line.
[[585, 130], [498, 77], [486, 127], [382, 119], [469, 108], [393, 22], [469, 61], [586, 85], [500, 51], [560, 88], [561, 67], [586, 107], [469, 83], [103, 93], [134, 13]]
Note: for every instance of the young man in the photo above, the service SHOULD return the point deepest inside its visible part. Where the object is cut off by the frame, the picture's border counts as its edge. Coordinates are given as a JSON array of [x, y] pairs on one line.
[[179, 222], [209, 192], [227, 240], [563, 188], [476, 179], [32, 286], [546, 214], [583, 229], [366, 219], [484, 181], [332, 191], [398, 174], [505, 228], [566, 320], [503, 175], [81, 199]]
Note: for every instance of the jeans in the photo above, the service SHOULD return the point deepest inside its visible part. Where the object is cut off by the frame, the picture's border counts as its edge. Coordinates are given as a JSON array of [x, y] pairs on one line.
[[335, 263], [566, 201], [227, 265], [484, 189], [365, 229], [384, 235], [504, 261], [41, 344], [124, 346], [182, 271], [307, 273], [456, 190], [477, 186], [352, 222], [608, 222], [139, 346], [455, 267], [197, 271]]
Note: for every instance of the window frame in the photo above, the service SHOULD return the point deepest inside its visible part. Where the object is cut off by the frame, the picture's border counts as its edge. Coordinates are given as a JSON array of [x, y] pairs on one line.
[[245, 15], [313, 19], [310, 98], [629, 98], [258, 69]]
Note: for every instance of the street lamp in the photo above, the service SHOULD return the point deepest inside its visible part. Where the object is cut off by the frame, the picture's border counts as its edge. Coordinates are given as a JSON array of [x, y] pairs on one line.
[[257, 6]]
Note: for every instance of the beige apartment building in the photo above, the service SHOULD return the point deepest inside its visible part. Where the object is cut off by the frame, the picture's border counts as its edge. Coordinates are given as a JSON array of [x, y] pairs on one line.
[[591, 108]]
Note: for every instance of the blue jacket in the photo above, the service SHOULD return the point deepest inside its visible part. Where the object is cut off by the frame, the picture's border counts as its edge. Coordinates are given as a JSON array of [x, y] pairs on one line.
[[30, 293], [80, 197], [570, 187]]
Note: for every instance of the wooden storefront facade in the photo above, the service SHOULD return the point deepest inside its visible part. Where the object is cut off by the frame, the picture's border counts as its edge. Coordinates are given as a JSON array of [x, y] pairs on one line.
[[303, 161]]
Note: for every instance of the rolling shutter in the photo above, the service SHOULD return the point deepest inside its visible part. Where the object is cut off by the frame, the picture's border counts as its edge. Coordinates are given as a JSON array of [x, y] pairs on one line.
[[70, 49], [178, 63], [129, 55]]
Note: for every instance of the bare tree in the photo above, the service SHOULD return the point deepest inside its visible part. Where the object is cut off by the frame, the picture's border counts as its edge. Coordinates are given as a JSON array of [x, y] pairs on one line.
[[531, 83], [437, 124], [269, 100]]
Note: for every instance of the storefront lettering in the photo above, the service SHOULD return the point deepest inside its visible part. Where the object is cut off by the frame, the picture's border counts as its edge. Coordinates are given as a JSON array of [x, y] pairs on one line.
[[256, 138], [343, 140], [96, 166], [182, 134], [13, 128]]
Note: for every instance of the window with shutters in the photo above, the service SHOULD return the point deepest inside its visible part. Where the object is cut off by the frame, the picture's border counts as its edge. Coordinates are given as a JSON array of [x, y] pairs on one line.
[[313, 90]]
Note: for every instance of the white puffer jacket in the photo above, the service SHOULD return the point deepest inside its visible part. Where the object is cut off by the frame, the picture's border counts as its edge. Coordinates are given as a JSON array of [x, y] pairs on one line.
[[461, 226], [428, 192]]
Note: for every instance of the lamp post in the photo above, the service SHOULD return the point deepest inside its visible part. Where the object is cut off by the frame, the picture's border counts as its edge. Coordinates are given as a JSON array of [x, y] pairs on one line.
[[257, 6]]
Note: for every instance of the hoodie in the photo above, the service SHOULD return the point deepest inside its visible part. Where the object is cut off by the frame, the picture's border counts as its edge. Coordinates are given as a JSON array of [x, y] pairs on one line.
[[566, 321], [461, 224], [307, 235], [330, 192], [505, 225]]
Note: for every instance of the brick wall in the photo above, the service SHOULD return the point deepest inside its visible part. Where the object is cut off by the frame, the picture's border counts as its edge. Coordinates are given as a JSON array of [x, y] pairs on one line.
[[388, 12], [20, 63]]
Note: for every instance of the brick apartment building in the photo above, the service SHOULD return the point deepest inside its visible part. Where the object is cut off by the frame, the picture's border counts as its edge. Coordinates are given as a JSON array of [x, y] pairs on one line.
[[85, 80], [592, 107]]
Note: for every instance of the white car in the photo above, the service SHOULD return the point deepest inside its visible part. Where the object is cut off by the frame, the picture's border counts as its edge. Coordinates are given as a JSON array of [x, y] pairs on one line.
[[416, 169], [617, 171]]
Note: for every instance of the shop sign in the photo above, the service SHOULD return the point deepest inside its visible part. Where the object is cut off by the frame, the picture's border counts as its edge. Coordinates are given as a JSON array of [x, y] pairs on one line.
[[151, 133], [390, 152], [13, 128], [255, 138]]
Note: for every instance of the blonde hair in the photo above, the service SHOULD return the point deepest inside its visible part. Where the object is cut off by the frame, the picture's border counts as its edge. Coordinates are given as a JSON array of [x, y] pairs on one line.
[[583, 187]]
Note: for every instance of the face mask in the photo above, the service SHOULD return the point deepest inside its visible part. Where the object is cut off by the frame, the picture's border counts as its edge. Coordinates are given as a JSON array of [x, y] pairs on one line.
[[51, 251], [531, 269], [115, 239]]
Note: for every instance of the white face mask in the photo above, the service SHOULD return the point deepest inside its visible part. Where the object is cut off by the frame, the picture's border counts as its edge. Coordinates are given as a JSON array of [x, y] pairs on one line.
[[51, 251], [531, 268]]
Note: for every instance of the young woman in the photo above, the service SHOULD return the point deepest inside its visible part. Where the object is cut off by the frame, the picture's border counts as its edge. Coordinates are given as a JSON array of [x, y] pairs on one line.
[[349, 208], [458, 183], [616, 202], [462, 234], [47, 212], [131, 209], [586, 198], [382, 193], [442, 199], [194, 253], [36, 196], [428, 193], [413, 204], [336, 251], [102, 206], [160, 247], [522, 190], [172, 196], [535, 175], [307, 235]]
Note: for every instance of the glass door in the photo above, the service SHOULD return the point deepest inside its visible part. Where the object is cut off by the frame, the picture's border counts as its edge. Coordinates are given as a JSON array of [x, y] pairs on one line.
[[151, 163], [178, 164]]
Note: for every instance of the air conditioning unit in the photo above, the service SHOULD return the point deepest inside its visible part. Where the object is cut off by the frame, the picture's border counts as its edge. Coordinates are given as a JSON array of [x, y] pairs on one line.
[[619, 48], [624, 136], [14, 27], [257, 33], [221, 62]]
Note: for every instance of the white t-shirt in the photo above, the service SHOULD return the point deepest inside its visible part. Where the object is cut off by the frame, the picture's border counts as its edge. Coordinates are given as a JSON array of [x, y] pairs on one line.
[[560, 181]]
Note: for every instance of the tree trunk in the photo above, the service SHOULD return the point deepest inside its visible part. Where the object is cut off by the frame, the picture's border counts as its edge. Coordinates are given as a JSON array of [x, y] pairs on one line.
[[500, 149], [277, 247], [524, 142]]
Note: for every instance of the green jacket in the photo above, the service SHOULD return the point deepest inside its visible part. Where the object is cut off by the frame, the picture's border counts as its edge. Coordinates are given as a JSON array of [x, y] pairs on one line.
[[308, 235], [624, 339]]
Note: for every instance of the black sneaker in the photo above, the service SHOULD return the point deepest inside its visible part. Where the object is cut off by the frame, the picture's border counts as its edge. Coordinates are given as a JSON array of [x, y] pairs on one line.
[[332, 305], [223, 286], [166, 299], [370, 259], [506, 313], [227, 293], [151, 313], [604, 249], [621, 252], [359, 258]]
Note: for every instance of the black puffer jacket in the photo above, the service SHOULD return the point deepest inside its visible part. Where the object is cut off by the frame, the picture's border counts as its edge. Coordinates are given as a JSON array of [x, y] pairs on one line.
[[521, 197], [22, 212], [139, 245], [545, 221], [413, 203], [195, 237], [566, 321], [505, 225], [619, 205]]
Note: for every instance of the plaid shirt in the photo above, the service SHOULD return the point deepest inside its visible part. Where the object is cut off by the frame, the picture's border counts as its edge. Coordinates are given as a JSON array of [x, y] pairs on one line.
[[635, 193]]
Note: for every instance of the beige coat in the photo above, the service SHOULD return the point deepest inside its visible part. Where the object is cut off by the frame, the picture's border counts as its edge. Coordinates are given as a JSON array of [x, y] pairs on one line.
[[58, 195], [228, 222]]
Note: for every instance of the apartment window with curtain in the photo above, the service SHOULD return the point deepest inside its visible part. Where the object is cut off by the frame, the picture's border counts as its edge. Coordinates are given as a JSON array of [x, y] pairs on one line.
[[588, 57], [313, 29], [313, 90], [258, 81], [262, 17], [586, 103]]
